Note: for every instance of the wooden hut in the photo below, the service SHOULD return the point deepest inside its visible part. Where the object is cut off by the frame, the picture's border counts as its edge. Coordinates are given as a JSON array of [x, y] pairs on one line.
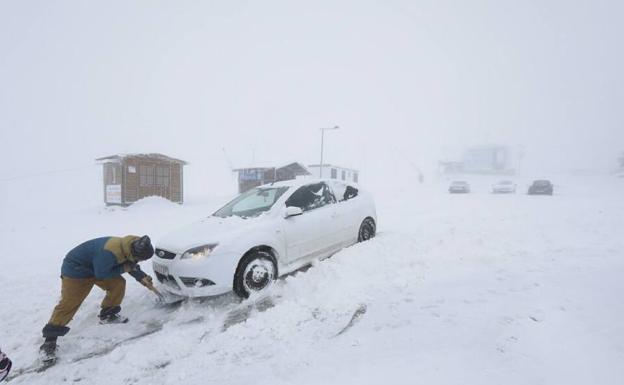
[[130, 177], [250, 177]]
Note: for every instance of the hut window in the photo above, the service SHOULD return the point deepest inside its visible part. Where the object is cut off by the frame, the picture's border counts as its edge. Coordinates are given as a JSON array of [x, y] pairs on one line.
[[115, 177], [343, 174], [162, 176], [250, 174], [146, 175], [334, 173], [355, 177], [113, 174]]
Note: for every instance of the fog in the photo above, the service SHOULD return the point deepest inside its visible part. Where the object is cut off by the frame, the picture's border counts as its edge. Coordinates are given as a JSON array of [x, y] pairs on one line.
[[225, 84]]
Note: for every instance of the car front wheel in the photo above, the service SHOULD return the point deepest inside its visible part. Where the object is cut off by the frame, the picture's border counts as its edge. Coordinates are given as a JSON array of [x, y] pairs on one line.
[[255, 272], [367, 230]]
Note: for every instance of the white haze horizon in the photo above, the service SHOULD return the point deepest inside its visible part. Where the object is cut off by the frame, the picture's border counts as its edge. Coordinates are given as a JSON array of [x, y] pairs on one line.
[[225, 84]]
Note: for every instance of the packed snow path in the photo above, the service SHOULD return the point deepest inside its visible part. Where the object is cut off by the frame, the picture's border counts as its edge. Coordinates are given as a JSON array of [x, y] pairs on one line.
[[471, 289]]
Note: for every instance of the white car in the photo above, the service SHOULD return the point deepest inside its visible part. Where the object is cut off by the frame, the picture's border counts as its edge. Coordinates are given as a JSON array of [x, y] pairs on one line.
[[459, 187], [262, 234], [504, 187]]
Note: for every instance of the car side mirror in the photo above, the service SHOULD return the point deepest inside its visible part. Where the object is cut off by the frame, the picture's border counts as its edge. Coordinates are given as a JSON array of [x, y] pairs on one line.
[[292, 211]]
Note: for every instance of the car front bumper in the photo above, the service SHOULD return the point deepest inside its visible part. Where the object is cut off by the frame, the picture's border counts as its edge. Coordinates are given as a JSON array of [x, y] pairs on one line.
[[504, 190], [211, 276], [540, 192]]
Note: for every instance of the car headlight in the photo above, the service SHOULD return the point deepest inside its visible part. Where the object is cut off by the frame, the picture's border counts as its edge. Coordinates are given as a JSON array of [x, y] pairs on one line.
[[199, 253]]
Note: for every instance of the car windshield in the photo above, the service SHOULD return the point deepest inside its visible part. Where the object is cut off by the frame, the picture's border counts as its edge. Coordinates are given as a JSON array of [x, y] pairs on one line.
[[459, 183], [542, 183], [252, 203]]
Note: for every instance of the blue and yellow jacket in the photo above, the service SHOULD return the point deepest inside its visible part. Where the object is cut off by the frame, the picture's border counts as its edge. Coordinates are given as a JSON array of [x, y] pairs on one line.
[[99, 258]]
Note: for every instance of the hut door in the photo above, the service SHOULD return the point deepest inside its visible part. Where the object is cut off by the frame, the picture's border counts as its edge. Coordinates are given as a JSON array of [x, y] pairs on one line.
[[163, 180], [112, 183]]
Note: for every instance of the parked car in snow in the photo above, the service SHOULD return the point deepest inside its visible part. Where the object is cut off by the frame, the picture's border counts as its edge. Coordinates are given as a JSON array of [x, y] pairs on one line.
[[504, 187], [541, 187], [262, 234], [459, 187]]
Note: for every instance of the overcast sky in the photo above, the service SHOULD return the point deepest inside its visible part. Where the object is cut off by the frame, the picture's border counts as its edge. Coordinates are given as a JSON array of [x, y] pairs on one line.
[[405, 80]]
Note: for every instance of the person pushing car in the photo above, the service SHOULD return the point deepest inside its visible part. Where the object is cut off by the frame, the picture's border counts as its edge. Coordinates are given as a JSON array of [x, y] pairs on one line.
[[100, 262]]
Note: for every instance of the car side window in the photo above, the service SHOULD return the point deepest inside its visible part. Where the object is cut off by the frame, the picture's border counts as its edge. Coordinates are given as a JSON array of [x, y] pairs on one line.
[[311, 197], [344, 191], [350, 193]]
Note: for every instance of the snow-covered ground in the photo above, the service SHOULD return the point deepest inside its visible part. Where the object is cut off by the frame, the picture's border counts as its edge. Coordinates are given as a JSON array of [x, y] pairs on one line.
[[456, 289]]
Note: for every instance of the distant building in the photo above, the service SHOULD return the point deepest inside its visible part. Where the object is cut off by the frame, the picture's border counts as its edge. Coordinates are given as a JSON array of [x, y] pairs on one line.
[[480, 160], [488, 160], [250, 177], [450, 167], [130, 177], [335, 172]]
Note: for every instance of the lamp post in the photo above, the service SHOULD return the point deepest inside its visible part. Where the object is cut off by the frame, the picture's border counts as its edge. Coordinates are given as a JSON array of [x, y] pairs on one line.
[[322, 139]]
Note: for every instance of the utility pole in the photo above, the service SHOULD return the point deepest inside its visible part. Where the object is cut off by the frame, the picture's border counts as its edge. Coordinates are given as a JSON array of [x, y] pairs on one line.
[[322, 140]]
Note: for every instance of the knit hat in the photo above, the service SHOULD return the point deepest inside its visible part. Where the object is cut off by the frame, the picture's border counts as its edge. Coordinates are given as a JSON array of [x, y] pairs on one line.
[[142, 248]]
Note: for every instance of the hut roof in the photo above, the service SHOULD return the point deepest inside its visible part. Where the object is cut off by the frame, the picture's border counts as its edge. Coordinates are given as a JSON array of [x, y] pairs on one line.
[[151, 156], [295, 166]]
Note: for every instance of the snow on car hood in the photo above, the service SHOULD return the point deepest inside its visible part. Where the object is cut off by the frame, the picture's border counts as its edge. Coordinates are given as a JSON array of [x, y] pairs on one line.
[[209, 230]]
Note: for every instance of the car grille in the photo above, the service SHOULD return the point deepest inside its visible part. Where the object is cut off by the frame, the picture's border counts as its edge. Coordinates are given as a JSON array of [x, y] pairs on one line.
[[167, 280], [164, 254], [192, 282]]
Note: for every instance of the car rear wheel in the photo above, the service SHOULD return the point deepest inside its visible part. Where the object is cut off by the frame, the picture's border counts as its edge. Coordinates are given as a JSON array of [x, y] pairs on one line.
[[367, 230], [255, 272]]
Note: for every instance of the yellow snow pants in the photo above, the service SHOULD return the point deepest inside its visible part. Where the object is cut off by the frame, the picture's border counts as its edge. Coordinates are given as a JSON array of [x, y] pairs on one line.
[[75, 290]]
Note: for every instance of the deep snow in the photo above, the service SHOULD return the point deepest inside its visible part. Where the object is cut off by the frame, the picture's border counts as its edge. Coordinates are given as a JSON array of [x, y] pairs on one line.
[[470, 289]]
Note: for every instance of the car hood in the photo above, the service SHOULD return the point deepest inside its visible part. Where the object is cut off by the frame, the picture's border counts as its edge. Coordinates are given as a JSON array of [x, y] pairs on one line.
[[208, 230]]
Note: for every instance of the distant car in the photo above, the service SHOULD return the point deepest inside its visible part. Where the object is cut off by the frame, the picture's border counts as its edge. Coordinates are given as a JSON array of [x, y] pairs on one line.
[[264, 233], [504, 187], [541, 187], [459, 187]]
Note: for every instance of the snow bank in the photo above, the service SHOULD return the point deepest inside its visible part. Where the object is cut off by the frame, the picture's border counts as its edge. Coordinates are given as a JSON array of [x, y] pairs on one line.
[[152, 203], [475, 289]]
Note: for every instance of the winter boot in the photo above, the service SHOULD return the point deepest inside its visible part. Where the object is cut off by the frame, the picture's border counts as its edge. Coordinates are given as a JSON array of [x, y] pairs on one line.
[[47, 351], [110, 315]]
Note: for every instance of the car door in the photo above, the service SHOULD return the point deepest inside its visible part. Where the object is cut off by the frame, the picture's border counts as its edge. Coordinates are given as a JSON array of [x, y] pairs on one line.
[[347, 214], [313, 233]]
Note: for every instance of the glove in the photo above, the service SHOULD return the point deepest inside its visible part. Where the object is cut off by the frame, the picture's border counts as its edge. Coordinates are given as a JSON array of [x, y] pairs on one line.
[[135, 271], [147, 281]]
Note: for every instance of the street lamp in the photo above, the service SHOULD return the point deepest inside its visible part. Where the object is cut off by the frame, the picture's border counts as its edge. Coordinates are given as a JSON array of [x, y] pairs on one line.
[[322, 139]]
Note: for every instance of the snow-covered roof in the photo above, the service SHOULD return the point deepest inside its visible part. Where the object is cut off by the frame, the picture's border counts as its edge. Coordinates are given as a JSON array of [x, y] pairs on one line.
[[121, 157], [265, 166], [332, 165]]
